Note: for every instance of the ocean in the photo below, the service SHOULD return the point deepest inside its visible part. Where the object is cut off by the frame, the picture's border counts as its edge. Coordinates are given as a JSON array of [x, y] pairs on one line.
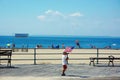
[[48, 41]]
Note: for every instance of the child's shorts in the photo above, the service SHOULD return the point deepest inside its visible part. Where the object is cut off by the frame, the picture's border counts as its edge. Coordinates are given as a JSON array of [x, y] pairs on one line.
[[64, 66]]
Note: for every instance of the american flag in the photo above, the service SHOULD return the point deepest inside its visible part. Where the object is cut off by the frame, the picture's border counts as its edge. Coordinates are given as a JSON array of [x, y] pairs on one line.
[[68, 49]]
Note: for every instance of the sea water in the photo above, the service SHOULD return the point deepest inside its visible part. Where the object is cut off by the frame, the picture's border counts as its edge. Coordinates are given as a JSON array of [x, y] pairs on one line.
[[48, 41]]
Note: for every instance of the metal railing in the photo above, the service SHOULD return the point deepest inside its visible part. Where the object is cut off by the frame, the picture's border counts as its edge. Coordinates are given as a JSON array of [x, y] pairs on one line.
[[35, 55]]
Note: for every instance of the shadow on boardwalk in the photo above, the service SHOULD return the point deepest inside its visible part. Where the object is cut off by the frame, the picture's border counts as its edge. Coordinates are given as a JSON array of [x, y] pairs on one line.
[[53, 72]]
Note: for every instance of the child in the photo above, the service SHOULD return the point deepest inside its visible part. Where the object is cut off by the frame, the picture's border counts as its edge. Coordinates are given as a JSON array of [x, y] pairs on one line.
[[64, 62]]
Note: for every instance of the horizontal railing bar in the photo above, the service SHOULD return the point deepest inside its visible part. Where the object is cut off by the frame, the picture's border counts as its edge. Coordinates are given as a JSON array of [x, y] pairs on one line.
[[22, 54], [61, 53], [48, 53], [110, 53], [55, 59], [21, 59]]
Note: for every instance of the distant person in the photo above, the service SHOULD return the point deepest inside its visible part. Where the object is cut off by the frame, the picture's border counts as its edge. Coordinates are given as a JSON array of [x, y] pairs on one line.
[[13, 45], [63, 46], [52, 46], [37, 46], [64, 62], [77, 43], [57, 47], [108, 47], [8, 45], [40, 46], [92, 46]]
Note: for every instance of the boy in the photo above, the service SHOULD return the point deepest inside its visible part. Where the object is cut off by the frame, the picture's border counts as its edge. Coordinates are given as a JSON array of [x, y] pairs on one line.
[[64, 62]]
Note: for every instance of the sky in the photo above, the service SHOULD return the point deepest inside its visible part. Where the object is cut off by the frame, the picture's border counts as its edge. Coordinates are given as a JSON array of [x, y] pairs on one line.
[[60, 17]]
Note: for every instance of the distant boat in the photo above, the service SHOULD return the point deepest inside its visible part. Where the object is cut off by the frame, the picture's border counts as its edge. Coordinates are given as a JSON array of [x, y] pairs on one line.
[[21, 35]]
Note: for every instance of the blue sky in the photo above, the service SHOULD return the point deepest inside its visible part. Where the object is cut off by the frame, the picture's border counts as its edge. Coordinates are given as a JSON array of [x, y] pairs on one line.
[[60, 17]]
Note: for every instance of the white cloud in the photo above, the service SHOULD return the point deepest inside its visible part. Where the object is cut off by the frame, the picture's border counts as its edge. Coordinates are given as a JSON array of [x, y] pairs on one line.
[[77, 14], [58, 13], [53, 15], [48, 12], [41, 17]]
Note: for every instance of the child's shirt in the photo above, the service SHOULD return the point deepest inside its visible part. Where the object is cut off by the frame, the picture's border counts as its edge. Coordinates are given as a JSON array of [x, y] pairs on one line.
[[64, 59]]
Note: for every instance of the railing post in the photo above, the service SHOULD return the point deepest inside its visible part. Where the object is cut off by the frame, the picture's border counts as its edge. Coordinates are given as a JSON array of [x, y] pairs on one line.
[[34, 56], [97, 54]]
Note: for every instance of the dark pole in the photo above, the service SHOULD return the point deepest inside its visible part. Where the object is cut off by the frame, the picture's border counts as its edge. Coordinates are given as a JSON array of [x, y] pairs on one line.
[[97, 54], [34, 56]]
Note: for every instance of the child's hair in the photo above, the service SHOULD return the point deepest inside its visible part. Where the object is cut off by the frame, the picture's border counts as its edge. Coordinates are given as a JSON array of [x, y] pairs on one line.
[[65, 53]]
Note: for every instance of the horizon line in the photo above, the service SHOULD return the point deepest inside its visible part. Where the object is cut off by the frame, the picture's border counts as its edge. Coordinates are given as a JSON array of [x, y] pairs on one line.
[[66, 35]]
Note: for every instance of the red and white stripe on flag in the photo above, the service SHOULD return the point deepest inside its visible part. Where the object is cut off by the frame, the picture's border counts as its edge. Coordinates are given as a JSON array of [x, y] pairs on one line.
[[68, 49]]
